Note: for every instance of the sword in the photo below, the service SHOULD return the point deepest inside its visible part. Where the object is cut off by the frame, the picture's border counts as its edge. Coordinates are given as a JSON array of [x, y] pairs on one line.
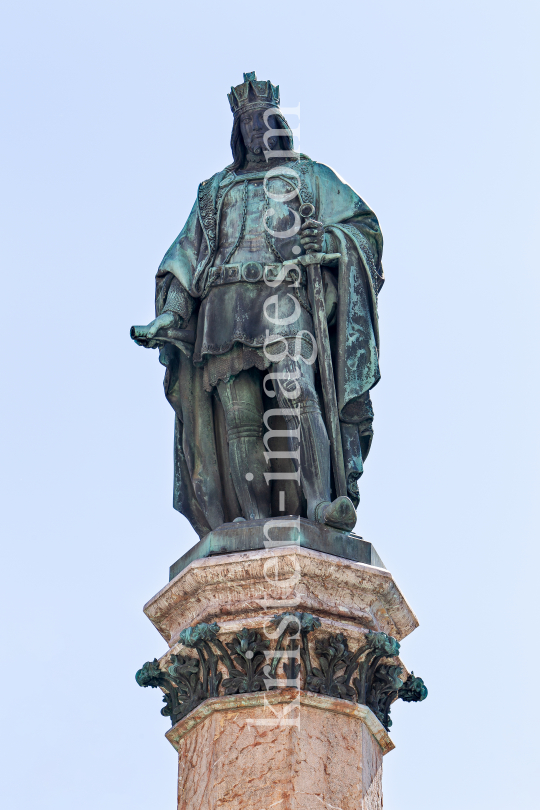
[[316, 293]]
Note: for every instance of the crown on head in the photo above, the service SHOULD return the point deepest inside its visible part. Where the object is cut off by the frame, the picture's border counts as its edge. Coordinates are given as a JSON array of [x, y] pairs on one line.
[[253, 94]]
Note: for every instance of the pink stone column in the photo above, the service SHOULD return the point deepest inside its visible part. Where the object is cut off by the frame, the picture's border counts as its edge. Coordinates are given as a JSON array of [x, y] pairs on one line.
[[330, 756], [289, 748]]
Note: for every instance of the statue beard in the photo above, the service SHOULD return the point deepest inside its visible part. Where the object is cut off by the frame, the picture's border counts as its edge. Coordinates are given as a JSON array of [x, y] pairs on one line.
[[257, 153]]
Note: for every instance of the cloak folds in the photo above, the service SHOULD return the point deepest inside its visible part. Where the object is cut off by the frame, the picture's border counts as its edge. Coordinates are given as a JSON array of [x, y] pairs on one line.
[[203, 488]]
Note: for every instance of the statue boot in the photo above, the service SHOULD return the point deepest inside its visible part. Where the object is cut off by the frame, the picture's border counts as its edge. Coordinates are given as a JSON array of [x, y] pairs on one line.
[[340, 513], [315, 473], [305, 422]]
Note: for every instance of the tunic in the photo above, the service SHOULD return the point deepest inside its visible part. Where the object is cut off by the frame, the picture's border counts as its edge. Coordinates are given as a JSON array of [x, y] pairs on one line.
[[233, 323]]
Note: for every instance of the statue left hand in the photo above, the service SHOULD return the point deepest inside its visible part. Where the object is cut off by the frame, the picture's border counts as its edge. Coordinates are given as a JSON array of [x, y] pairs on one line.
[[162, 322], [312, 236]]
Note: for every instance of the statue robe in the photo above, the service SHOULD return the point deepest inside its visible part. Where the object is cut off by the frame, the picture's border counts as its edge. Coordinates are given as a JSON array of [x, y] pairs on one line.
[[203, 489]]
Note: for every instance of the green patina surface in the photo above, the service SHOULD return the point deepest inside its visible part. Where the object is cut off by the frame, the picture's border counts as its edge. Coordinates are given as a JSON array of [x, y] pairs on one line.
[[266, 302], [237, 537]]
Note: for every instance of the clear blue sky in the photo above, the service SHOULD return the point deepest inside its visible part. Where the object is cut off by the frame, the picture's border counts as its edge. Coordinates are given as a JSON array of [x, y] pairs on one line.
[[113, 112]]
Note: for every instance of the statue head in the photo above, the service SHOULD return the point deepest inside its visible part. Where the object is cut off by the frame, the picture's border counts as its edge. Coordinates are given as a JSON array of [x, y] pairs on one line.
[[255, 106]]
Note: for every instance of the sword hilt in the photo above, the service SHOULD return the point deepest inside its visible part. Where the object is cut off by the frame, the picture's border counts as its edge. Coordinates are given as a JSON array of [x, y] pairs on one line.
[[306, 211]]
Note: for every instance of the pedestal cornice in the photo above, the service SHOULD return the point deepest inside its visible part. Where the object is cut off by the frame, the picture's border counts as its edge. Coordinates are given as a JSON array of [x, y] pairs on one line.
[[244, 585]]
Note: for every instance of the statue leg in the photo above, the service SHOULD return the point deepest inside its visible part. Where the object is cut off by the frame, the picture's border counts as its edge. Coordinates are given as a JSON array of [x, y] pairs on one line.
[[242, 403], [299, 393]]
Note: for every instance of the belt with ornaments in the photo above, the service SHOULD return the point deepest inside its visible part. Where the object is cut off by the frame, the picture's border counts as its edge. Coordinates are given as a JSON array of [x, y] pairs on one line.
[[256, 271]]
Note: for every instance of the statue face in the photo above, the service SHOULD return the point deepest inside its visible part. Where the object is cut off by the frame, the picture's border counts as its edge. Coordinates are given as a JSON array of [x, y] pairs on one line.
[[253, 130]]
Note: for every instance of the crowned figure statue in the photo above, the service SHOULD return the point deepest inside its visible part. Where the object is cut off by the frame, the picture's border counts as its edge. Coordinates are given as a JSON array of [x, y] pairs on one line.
[[236, 332]]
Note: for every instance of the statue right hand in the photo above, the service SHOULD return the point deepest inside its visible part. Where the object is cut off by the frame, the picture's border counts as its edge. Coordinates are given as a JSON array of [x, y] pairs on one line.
[[163, 321]]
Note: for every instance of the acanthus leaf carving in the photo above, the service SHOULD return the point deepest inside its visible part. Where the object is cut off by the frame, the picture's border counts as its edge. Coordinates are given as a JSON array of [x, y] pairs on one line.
[[367, 676]]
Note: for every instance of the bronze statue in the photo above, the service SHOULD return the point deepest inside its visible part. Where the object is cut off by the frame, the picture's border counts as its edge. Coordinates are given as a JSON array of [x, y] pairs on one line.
[[278, 262]]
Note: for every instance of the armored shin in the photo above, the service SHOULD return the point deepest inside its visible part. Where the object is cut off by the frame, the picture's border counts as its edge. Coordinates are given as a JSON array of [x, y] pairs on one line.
[[242, 404], [300, 403]]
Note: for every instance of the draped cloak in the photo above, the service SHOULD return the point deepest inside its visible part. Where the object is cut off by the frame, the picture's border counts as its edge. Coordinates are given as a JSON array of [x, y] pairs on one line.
[[203, 488]]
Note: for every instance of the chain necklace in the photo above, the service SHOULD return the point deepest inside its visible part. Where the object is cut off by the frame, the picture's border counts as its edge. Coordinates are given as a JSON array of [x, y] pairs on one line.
[[243, 225], [267, 236]]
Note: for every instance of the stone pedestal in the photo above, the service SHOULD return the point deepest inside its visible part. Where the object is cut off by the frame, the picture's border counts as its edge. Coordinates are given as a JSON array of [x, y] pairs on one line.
[[228, 759], [281, 669]]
